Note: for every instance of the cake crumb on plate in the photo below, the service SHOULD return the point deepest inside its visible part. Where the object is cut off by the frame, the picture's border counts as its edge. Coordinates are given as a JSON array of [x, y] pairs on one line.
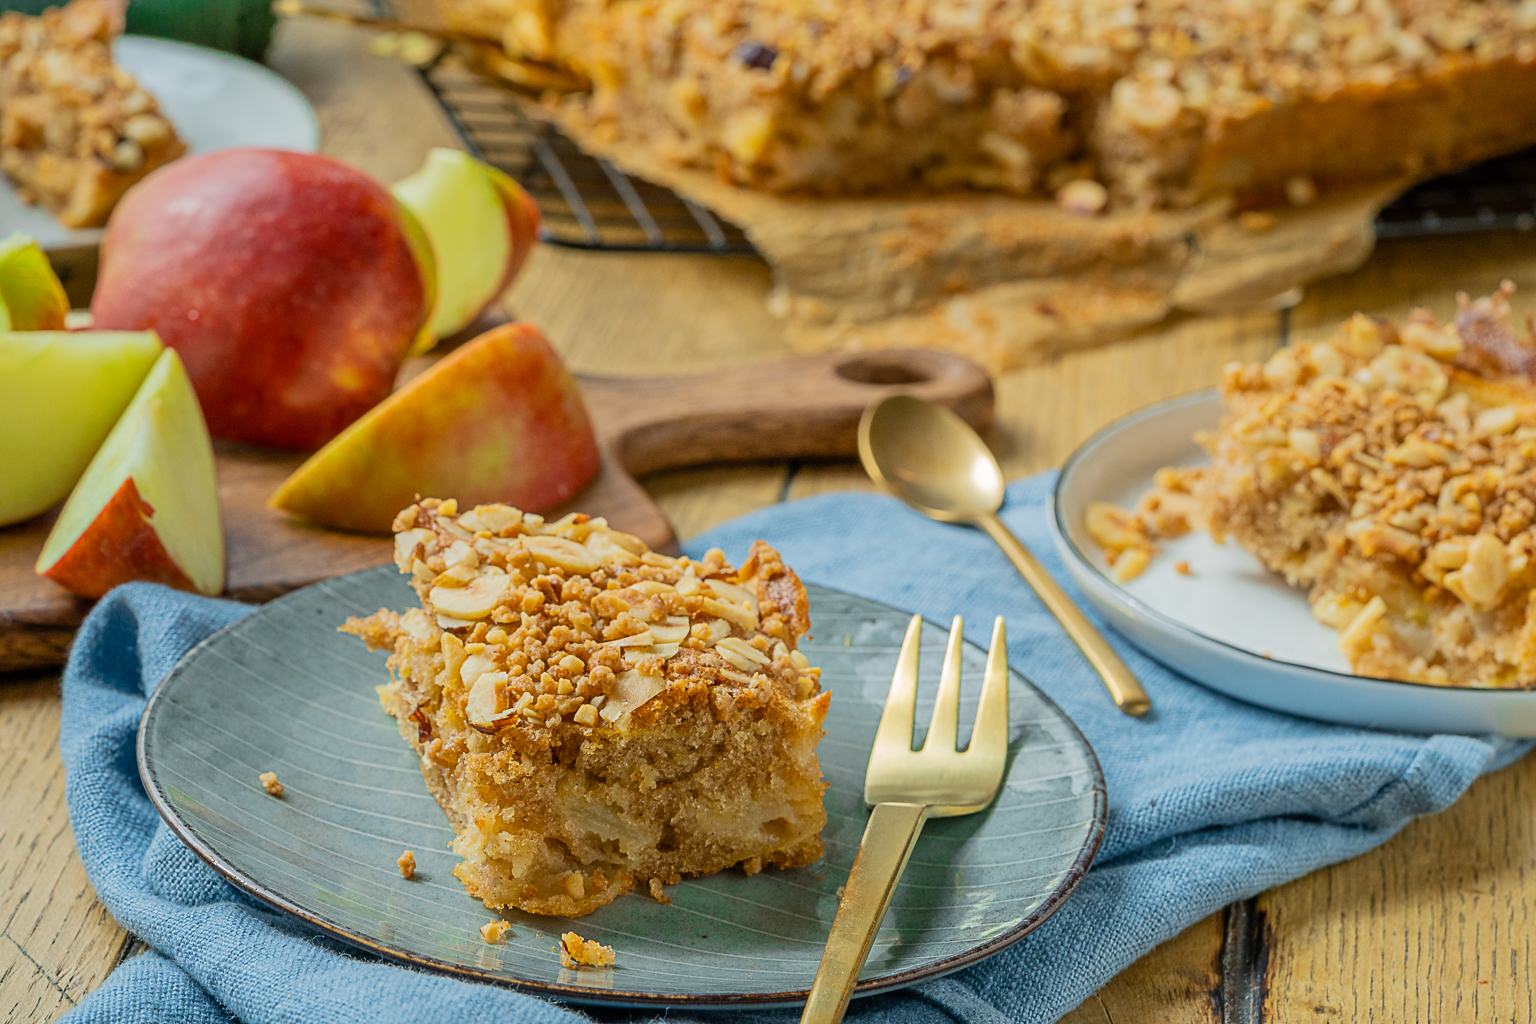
[[270, 784], [492, 931], [407, 864], [658, 893], [576, 951]]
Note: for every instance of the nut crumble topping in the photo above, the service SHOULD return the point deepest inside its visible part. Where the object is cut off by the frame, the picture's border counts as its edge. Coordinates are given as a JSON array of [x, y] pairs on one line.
[[270, 784], [1391, 470], [75, 130]]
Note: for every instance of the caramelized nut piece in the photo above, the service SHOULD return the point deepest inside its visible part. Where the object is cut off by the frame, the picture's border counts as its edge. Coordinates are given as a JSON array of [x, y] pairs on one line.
[[1358, 633], [483, 706], [1131, 563], [474, 600], [1481, 580], [1084, 197], [562, 553]]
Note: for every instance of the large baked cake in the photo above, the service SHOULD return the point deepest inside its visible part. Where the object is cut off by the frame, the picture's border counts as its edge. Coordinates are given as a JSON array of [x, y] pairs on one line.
[[593, 715], [1166, 102]]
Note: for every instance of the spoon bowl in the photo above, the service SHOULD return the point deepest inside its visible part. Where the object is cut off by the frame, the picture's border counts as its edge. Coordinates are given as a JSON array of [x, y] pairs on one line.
[[929, 458]]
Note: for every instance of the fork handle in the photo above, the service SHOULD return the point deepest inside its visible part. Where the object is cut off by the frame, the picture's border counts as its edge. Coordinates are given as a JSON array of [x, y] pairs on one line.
[[1122, 684], [888, 840]]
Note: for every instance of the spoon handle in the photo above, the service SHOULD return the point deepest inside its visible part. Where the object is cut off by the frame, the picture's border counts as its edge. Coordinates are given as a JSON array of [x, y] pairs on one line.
[[1118, 680]]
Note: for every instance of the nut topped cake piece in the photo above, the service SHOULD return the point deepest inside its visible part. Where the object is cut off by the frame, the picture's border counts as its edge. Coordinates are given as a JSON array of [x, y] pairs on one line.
[[75, 130], [593, 715], [1392, 471]]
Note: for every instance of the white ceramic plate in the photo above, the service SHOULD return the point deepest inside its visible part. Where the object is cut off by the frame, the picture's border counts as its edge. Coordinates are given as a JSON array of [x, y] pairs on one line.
[[215, 100], [1232, 625]]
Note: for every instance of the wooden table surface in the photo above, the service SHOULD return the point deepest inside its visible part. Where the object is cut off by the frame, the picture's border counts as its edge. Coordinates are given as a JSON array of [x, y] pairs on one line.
[[1434, 926]]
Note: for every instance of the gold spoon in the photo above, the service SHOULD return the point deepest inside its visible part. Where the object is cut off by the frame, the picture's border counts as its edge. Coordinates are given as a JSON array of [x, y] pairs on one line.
[[932, 460]]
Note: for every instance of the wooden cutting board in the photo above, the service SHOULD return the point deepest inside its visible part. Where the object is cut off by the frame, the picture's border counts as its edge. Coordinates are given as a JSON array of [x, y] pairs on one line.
[[798, 408]]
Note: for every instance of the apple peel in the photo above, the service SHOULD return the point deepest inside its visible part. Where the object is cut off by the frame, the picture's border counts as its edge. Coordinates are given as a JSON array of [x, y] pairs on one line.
[[499, 419], [147, 507]]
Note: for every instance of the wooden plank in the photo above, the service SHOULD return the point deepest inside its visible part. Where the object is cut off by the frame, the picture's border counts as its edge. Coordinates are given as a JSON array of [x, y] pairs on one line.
[[1046, 411], [648, 314], [697, 499], [1405, 273], [1436, 925], [1179, 982], [57, 942]]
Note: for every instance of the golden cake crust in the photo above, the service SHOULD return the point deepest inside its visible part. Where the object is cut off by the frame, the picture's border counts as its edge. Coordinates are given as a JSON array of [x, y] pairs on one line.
[[593, 715]]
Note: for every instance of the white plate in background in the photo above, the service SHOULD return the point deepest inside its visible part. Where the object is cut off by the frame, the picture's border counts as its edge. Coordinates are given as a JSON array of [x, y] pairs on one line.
[[1233, 625], [215, 100]]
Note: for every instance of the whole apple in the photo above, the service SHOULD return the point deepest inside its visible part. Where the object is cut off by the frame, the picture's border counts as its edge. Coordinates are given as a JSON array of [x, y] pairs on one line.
[[291, 285]]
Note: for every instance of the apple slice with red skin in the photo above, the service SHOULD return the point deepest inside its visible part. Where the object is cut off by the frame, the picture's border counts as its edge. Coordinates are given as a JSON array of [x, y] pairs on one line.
[[498, 420], [481, 225], [147, 507], [291, 284]]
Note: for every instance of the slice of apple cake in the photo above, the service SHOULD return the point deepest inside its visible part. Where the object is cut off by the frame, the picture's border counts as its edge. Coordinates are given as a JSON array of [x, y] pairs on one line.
[[1391, 470], [593, 715], [75, 129]]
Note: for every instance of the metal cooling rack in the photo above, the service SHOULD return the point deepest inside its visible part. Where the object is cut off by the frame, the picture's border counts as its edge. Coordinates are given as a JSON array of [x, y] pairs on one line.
[[1499, 195], [586, 203]]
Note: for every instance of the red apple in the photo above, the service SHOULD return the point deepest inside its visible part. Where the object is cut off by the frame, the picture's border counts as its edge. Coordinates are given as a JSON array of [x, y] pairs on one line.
[[500, 419], [147, 507], [291, 285], [481, 225]]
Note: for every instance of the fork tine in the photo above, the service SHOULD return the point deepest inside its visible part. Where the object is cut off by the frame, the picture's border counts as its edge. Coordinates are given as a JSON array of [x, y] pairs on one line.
[[989, 739], [943, 730], [895, 732]]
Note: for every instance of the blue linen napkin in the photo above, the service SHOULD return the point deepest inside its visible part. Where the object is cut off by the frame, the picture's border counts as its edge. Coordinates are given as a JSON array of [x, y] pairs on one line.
[[1210, 801]]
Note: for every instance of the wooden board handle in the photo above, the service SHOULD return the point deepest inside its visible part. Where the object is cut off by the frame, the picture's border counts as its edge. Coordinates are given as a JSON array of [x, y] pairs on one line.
[[796, 408]]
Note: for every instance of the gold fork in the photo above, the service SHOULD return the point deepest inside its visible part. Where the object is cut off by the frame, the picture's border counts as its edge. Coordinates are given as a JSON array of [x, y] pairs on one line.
[[906, 787]]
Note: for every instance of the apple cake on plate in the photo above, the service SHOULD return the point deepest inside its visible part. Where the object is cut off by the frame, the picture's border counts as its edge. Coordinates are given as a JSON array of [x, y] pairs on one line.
[[1389, 470], [1166, 103], [593, 715], [75, 129]]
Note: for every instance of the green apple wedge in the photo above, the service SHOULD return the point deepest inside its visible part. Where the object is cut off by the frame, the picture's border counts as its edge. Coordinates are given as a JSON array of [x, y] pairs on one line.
[[31, 297], [61, 392], [481, 225], [147, 507]]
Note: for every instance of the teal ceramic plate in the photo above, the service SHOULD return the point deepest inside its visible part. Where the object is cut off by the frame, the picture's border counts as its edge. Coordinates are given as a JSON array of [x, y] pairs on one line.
[[282, 691]]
